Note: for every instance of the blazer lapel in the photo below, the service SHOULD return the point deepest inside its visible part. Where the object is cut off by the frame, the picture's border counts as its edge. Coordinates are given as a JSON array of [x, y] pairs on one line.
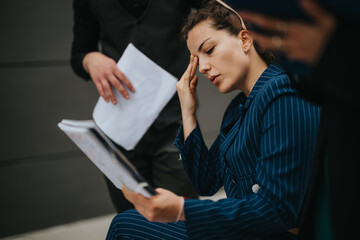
[[228, 135], [230, 129]]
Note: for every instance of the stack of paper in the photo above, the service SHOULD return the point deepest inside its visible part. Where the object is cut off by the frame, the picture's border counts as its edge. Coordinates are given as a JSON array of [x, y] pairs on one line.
[[127, 121], [99, 149]]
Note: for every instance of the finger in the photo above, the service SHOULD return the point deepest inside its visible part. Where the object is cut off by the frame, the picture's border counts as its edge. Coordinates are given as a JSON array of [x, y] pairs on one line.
[[265, 42], [130, 195], [122, 77], [108, 91], [127, 194], [265, 22], [101, 91], [124, 190], [159, 190], [193, 83], [193, 67], [186, 76], [119, 87], [314, 10]]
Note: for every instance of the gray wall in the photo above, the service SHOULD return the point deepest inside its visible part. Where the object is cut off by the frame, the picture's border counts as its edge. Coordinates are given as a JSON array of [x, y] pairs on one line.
[[44, 179]]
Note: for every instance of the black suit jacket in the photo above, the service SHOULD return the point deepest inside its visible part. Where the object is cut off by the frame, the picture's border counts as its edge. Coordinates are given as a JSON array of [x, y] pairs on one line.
[[156, 32]]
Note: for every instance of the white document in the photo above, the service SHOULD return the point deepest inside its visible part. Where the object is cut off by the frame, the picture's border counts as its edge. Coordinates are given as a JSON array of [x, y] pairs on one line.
[[127, 121], [99, 149]]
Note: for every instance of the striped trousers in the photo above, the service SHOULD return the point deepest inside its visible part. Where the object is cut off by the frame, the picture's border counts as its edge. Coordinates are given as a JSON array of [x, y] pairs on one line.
[[132, 225]]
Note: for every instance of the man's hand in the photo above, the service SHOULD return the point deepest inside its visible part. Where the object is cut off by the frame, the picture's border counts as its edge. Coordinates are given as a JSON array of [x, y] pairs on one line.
[[104, 73], [296, 39]]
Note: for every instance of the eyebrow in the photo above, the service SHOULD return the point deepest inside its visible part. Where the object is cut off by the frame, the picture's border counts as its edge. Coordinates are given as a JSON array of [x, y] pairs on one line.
[[200, 47]]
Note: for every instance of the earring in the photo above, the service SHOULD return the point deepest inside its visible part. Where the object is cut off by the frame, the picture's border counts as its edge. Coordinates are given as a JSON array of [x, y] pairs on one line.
[[246, 52]]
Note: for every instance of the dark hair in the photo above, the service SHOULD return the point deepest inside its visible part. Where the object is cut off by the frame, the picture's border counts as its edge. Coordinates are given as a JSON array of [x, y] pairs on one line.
[[221, 18]]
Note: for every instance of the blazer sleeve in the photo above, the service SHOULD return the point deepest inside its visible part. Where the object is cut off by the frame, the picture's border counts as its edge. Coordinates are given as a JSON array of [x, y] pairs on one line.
[[200, 164], [85, 36], [289, 130]]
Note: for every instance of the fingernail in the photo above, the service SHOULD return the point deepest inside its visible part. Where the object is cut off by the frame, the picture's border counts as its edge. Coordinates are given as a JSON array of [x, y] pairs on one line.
[[127, 96]]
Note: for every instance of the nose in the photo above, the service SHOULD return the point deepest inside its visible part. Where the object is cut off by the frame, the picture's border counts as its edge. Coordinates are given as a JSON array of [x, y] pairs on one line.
[[204, 66]]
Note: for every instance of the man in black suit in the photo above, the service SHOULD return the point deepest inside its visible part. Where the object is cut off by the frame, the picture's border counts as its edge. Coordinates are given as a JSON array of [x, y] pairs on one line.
[[153, 26]]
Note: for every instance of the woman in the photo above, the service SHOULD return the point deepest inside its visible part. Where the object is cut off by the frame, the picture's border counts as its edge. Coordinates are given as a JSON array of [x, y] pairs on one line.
[[262, 155]]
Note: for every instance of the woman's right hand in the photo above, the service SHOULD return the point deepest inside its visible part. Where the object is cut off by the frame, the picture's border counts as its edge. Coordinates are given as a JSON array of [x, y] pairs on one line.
[[186, 88]]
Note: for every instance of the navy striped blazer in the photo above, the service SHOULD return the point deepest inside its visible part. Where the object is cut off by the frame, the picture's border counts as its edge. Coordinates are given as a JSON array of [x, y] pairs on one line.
[[262, 157]]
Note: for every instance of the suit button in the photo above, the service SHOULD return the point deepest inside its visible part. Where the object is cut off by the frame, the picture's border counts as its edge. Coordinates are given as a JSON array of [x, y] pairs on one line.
[[255, 188]]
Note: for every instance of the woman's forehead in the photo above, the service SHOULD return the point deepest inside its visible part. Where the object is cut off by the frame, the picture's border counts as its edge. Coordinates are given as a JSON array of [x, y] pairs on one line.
[[200, 32]]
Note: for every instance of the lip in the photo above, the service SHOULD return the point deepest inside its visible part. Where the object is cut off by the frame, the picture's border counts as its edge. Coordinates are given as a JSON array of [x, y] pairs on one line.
[[214, 79]]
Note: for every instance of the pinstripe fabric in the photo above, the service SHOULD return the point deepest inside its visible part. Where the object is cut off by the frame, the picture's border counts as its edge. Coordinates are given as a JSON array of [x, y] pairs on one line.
[[131, 225], [266, 139]]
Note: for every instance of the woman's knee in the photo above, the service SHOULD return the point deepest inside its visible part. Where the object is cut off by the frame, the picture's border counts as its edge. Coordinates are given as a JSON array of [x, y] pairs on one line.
[[121, 222]]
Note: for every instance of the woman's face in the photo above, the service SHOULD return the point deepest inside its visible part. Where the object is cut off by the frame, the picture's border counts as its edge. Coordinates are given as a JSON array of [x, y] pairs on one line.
[[221, 56]]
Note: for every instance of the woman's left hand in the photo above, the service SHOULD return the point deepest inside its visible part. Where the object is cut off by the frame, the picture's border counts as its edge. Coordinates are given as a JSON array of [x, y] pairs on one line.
[[163, 207]]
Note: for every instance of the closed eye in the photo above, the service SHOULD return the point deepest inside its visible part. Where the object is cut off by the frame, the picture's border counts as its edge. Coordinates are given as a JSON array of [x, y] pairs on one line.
[[208, 52]]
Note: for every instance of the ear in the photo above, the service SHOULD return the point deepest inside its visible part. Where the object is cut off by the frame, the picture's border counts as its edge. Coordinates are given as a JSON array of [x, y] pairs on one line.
[[246, 38]]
